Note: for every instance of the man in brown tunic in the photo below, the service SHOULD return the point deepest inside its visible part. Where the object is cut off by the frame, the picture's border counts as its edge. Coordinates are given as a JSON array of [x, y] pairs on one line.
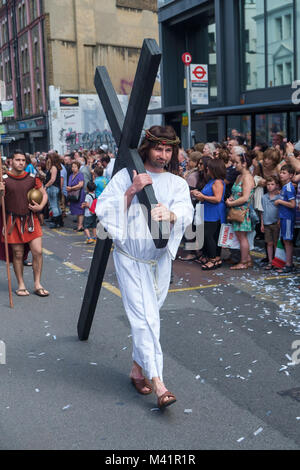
[[23, 227]]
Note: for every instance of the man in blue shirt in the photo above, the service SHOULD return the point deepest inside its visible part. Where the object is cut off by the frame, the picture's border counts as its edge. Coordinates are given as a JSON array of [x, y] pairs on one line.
[[287, 213]]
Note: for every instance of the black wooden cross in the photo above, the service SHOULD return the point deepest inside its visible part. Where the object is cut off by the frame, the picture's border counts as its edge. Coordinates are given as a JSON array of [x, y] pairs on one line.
[[127, 132]]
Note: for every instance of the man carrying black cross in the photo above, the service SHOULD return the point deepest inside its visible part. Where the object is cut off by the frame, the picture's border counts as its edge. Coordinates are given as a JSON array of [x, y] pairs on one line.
[[144, 271]]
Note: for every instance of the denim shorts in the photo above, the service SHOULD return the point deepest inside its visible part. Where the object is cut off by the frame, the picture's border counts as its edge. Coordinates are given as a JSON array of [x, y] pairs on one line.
[[90, 222]]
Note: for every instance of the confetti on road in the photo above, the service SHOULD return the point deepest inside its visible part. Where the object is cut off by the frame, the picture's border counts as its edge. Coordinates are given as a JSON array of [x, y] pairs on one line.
[[258, 431], [67, 407]]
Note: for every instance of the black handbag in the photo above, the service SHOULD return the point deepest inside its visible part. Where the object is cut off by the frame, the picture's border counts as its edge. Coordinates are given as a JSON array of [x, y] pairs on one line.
[[74, 196]]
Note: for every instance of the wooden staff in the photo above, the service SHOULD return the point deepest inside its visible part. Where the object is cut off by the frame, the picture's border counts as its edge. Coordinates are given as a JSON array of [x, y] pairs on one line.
[[5, 239]]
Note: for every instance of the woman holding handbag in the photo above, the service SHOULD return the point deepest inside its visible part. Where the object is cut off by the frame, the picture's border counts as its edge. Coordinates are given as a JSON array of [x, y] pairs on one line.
[[239, 205], [76, 194]]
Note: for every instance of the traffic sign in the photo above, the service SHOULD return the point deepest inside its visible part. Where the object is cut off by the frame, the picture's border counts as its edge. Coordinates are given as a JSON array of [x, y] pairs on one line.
[[199, 73], [186, 58], [199, 82]]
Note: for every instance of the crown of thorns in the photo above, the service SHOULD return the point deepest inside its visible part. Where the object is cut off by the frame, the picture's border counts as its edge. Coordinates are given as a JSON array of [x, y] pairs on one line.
[[161, 140]]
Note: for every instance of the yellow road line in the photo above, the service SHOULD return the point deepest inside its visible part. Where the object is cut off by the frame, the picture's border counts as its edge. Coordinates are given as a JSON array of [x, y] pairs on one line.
[[63, 234], [111, 288], [47, 252], [185, 289], [74, 267], [279, 277], [257, 255]]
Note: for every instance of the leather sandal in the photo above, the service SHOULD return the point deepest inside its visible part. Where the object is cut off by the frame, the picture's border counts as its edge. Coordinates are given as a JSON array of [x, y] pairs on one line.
[[163, 403], [22, 293], [140, 384], [41, 292]]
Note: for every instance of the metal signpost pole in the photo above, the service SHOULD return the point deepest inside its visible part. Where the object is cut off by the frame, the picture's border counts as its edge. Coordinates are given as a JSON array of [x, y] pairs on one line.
[[187, 60], [188, 104]]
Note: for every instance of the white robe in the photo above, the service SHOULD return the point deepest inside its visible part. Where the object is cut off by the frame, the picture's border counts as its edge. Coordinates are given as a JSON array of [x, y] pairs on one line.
[[143, 271]]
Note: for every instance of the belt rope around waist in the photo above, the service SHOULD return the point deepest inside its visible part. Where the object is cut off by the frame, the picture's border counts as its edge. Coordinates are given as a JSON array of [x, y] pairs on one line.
[[152, 263]]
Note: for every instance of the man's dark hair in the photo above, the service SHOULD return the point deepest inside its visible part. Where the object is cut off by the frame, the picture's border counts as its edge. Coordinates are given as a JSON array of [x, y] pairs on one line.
[[105, 159], [18, 152]]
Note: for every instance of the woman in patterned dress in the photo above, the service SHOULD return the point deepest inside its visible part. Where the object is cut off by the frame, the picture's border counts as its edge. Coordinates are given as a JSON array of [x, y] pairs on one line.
[[242, 194]]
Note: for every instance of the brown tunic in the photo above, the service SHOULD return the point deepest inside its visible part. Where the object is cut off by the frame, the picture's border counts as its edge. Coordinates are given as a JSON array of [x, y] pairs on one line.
[[22, 225]]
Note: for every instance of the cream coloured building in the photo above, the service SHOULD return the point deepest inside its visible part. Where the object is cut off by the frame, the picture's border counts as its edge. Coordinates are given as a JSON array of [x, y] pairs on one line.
[[82, 34]]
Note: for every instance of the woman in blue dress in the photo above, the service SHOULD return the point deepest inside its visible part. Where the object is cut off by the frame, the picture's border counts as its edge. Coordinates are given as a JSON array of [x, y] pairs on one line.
[[212, 197]]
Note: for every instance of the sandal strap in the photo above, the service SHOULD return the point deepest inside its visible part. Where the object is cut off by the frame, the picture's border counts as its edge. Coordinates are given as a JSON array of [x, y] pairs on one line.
[[161, 401], [139, 384]]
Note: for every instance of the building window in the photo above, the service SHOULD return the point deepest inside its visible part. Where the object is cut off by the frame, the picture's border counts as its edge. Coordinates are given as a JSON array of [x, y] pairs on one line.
[[278, 29], [36, 54], [212, 60], [279, 78], [27, 103], [280, 43], [288, 30], [4, 33], [33, 9], [268, 51], [253, 45], [39, 99]]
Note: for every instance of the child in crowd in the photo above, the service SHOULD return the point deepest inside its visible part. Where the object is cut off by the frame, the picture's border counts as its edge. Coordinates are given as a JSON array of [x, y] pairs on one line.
[[90, 220], [100, 181], [287, 213], [269, 217]]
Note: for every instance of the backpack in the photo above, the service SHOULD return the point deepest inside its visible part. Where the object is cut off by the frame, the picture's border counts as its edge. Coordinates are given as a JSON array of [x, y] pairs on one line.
[[92, 209]]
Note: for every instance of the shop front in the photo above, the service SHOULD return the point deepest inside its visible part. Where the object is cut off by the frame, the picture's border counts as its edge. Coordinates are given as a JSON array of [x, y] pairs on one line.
[[30, 135]]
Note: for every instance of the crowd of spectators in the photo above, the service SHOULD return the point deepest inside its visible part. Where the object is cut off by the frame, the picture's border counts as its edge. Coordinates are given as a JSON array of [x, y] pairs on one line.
[[256, 190], [252, 189]]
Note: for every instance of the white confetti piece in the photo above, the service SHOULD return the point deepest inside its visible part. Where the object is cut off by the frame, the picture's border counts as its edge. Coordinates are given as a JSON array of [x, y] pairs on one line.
[[188, 410], [258, 431], [240, 439], [66, 407], [37, 390]]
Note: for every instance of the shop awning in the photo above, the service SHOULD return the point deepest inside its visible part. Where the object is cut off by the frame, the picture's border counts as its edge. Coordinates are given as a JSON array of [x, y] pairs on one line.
[[257, 108]]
